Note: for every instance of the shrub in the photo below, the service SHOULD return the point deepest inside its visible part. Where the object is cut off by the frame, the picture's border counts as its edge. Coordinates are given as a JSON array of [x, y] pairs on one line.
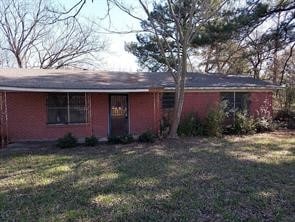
[[214, 121], [190, 125], [147, 137], [286, 117], [264, 121], [264, 125], [291, 123], [125, 139], [244, 124], [114, 139], [68, 141], [91, 141]]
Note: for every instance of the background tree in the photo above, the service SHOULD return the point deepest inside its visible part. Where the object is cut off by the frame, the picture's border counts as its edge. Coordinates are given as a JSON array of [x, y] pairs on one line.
[[33, 36], [263, 31], [225, 58], [22, 25], [71, 44]]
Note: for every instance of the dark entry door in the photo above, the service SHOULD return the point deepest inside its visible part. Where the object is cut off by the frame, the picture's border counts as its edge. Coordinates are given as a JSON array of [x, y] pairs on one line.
[[118, 115]]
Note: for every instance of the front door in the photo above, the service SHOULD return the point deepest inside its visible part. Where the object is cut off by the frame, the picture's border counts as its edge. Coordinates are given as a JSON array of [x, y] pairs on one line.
[[118, 115]]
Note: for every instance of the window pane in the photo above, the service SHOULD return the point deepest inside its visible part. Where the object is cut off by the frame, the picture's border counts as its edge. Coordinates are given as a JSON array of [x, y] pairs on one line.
[[78, 115], [242, 101], [57, 108], [78, 111], [77, 99], [57, 115], [228, 98], [168, 100], [57, 100], [66, 108]]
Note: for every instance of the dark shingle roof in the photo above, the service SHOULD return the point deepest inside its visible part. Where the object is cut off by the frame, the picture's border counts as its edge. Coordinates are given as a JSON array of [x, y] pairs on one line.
[[95, 80]]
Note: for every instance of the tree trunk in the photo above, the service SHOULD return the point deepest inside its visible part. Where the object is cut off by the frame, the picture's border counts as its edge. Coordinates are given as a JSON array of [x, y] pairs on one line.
[[256, 72], [179, 95], [19, 61]]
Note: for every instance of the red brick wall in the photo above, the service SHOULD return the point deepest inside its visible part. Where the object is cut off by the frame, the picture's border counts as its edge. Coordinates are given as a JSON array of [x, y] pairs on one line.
[[144, 113], [200, 102], [261, 103], [27, 113], [100, 114], [27, 118]]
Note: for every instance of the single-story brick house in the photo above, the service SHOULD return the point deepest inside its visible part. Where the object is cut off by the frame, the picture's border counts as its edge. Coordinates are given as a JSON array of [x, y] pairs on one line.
[[46, 104]]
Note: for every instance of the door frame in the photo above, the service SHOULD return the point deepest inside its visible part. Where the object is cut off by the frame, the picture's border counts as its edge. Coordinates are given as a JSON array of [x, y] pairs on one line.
[[110, 111]]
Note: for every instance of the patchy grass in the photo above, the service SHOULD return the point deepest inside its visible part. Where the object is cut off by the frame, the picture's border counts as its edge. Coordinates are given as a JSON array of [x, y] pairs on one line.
[[232, 179]]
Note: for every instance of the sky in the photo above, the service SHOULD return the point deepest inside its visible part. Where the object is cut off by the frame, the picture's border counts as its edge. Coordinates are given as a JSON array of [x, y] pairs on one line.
[[115, 58]]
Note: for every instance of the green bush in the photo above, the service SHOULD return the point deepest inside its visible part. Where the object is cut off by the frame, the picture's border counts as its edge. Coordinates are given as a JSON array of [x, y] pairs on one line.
[[214, 121], [244, 124], [264, 125], [125, 139], [190, 125], [68, 141], [291, 123], [91, 141], [286, 117], [147, 137], [114, 139]]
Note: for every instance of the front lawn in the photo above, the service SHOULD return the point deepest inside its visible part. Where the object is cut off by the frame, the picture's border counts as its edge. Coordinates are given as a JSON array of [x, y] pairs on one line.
[[231, 179]]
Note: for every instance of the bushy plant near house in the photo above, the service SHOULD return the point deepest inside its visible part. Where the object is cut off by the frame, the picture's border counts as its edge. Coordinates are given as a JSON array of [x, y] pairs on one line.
[[114, 139], [214, 121], [244, 124], [190, 125], [125, 139], [147, 137], [68, 141], [91, 141], [291, 122], [285, 99], [264, 121], [264, 125]]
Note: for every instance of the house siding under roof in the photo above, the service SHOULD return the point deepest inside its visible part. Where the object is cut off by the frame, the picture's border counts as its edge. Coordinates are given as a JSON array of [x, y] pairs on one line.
[[26, 93]]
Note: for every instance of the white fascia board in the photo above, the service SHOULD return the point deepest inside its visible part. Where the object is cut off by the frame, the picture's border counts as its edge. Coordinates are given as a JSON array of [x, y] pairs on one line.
[[22, 89], [219, 89]]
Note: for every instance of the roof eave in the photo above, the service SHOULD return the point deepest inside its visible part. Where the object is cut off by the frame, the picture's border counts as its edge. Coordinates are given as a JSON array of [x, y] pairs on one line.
[[26, 89], [242, 88], [128, 90]]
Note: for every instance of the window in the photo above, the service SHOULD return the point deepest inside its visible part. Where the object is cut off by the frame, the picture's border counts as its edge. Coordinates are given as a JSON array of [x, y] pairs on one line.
[[168, 100], [66, 108], [235, 101]]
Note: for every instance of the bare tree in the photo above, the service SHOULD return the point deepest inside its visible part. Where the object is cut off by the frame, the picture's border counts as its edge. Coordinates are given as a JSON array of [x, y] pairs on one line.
[[288, 65], [20, 24], [227, 58], [35, 36], [258, 54], [69, 45]]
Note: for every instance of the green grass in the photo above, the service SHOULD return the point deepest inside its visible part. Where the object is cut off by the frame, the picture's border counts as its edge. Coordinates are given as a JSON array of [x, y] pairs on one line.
[[232, 179]]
